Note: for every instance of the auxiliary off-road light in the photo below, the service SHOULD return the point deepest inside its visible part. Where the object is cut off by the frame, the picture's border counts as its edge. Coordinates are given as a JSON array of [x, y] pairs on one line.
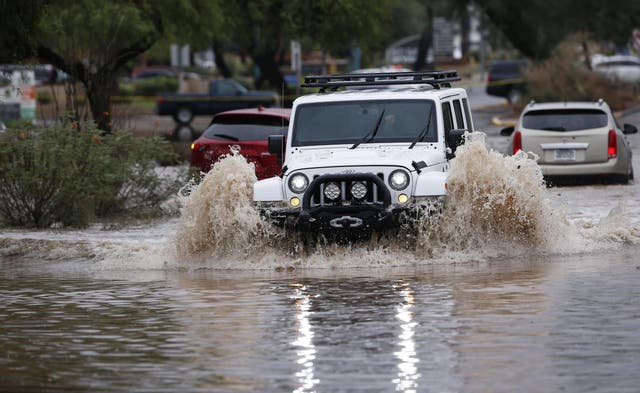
[[359, 190], [399, 180], [402, 199], [298, 183], [295, 201], [332, 191]]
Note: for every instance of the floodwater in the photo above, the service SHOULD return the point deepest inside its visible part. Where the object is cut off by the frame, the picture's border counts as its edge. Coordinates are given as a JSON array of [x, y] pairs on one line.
[[520, 288]]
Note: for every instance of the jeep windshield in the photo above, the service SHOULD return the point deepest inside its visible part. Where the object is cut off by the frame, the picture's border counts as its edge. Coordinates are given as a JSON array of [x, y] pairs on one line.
[[355, 122]]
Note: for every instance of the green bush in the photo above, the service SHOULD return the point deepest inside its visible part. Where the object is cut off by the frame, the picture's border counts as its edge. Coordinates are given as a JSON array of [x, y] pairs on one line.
[[154, 86], [68, 176]]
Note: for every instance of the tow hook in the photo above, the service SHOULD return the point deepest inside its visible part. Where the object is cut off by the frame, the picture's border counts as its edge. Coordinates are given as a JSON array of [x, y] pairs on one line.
[[346, 222]]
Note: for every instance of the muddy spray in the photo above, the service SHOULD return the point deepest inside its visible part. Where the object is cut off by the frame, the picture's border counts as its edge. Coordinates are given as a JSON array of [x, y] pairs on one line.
[[496, 206]]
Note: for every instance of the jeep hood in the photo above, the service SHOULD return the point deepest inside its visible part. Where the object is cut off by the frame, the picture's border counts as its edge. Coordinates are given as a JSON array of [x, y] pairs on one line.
[[363, 156]]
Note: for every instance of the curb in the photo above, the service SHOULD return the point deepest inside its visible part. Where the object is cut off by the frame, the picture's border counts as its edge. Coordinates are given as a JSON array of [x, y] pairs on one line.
[[497, 121]]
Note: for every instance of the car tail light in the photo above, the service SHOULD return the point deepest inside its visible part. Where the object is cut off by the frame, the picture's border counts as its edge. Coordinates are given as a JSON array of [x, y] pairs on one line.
[[612, 149], [160, 99], [517, 142], [198, 147]]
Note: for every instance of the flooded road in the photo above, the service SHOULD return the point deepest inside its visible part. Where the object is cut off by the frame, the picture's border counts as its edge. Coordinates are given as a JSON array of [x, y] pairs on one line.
[[553, 307], [531, 324]]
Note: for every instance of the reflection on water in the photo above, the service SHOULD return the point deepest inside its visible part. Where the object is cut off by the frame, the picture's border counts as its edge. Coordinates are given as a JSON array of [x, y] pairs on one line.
[[554, 324], [304, 340], [408, 375]]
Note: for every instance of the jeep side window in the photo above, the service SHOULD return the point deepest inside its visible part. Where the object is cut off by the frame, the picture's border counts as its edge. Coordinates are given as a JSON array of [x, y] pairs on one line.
[[458, 111], [448, 119], [467, 114]]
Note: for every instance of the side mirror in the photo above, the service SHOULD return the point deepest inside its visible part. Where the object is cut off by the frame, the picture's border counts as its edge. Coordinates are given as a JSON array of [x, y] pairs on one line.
[[507, 131], [455, 139], [629, 129], [275, 145]]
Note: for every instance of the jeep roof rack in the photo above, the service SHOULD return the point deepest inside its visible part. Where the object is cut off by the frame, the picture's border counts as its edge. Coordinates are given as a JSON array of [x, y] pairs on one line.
[[437, 79]]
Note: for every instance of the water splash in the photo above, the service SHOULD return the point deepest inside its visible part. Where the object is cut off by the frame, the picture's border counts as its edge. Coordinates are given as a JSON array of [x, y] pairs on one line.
[[496, 201], [218, 216], [496, 206]]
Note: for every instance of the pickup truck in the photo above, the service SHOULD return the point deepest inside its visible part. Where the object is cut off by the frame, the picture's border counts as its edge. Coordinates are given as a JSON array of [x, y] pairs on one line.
[[224, 95]]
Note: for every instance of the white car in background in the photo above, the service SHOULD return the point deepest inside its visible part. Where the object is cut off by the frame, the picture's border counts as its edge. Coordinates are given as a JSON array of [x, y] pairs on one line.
[[574, 139], [622, 68]]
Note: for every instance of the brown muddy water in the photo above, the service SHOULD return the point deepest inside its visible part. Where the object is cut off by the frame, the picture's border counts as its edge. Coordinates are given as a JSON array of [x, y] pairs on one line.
[[519, 288]]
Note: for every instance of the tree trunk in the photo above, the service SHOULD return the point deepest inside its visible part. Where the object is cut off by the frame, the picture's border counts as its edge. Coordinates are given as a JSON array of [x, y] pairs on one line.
[[426, 42], [99, 96], [269, 70], [465, 29], [587, 55], [221, 64]]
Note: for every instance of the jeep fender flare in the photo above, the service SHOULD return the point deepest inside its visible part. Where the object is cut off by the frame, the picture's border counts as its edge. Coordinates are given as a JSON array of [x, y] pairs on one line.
[[431, 184], [268, 190]]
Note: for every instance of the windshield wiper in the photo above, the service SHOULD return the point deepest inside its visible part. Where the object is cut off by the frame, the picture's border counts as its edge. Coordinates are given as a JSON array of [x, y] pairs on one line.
[[231, 137], [422, 134], [557, 128], [370, 135]]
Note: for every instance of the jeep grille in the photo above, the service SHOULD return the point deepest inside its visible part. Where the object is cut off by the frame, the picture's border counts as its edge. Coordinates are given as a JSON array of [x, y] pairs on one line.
[[374, 194]]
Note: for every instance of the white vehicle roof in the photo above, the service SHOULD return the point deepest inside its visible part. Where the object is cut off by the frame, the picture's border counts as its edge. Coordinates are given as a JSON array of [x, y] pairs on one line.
[[401, 92]]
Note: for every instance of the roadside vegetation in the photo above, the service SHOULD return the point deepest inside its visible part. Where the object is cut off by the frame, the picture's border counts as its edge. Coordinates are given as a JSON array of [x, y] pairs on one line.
[[71, 174], [565, 76]]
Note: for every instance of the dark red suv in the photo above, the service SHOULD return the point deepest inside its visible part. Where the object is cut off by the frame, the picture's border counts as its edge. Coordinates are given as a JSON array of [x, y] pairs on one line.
[[246, 131]]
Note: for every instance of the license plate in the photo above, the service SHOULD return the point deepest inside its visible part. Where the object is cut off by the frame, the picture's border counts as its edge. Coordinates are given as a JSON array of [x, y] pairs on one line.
[[564, 154]]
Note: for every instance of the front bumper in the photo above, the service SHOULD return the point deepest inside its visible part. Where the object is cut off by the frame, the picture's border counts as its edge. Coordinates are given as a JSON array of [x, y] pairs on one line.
[[350, 218], [349, 214]]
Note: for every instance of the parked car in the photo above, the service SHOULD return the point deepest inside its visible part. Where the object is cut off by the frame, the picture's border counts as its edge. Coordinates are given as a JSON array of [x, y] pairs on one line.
[[245, 131], [141, 73], [574, 139], [505, 80], [621, 68], [224, 95]]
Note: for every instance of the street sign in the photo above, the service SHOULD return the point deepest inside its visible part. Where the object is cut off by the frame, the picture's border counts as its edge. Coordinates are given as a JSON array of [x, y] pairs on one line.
[[296, 60]]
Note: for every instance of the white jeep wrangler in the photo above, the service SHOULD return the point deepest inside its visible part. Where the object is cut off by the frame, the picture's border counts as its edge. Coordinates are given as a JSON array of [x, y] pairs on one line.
[[362, 157]]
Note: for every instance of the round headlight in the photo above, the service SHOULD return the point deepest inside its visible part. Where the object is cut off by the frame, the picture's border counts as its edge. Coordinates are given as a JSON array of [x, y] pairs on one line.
[[298, 183], [359, 190], [332, 191], [399, 180]]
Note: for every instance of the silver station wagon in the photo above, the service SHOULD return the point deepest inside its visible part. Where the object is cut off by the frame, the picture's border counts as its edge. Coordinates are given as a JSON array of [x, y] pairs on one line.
[[574, 140]]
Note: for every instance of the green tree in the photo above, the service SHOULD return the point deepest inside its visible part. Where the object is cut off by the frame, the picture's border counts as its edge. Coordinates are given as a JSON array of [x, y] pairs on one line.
[[535, 27], [263, 28], [91, 40]]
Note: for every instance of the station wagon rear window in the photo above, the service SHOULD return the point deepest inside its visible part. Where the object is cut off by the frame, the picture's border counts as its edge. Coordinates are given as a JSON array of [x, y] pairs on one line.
[[374, 121], [246, 128], [565, 119]]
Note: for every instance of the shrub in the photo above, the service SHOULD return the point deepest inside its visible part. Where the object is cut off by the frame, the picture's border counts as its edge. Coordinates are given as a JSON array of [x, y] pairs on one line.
[[563, 77], [155, 86], [66, 176]]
